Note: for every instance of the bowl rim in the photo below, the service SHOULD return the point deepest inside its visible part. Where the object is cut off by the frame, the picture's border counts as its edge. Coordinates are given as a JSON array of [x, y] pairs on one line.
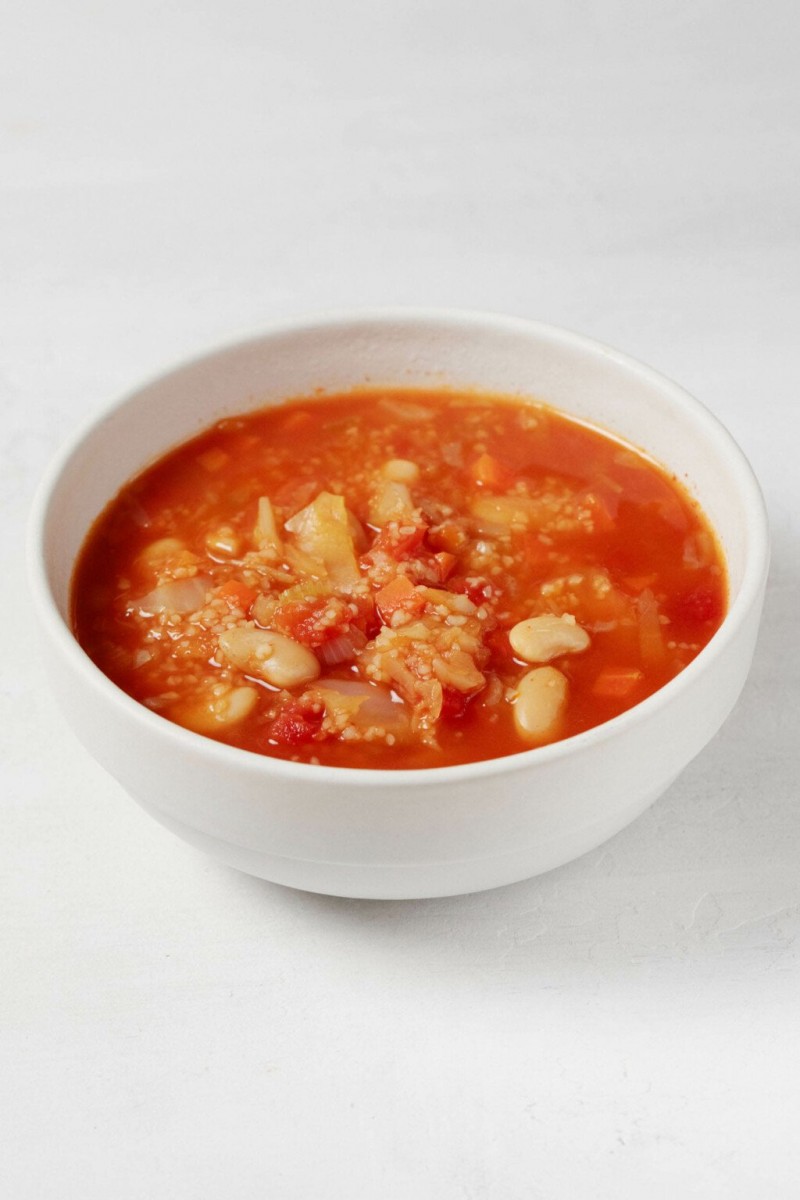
[[224, 755]]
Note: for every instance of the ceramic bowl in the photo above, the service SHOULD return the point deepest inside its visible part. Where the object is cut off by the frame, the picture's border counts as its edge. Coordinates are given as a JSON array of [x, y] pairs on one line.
[[409, 833]]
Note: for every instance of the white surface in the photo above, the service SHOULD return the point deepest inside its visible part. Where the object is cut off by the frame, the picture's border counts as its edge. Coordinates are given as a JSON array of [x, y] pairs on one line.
[[175, 175]]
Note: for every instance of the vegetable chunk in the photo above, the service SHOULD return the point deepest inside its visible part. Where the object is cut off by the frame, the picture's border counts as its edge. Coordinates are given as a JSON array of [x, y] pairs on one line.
[[322, 531]]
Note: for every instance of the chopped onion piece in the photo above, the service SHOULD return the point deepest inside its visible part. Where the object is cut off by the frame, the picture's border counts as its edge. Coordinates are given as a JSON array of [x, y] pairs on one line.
[[390, 501], [266, 533], [370, 703], [178, 596], [341, 649]]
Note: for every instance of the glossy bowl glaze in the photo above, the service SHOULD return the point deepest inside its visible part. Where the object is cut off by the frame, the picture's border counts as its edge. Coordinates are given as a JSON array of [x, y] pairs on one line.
[[402, 834]]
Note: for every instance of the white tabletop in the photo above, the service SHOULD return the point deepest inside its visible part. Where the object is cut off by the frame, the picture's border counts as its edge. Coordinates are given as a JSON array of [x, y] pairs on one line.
[[175, 175]]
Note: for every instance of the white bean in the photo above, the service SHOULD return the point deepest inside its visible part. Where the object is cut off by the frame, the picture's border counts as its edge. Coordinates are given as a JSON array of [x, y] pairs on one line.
[[539, 703], [401, 470], [160, 551], [270, 656], [222, 712], [235, 705], [224, 542], [542, 638]]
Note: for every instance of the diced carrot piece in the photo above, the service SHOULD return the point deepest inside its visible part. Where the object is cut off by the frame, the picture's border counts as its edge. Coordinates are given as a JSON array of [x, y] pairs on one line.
[[237, 594], [614, 683], [400, 593], [450, 537], [490, 472], [445, 564]]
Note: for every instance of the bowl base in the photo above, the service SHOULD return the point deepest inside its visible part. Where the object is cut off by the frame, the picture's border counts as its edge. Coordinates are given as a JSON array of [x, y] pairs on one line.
[[410, 881]]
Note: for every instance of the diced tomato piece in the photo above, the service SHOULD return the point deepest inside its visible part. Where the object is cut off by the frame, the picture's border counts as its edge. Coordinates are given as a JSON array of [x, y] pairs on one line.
[[237, 594], [405, 542], [398, 540], [371, 622], [308, 621], [475, 587], [454, 703], [320, 619], [295, 724], [488, 471], [496, 641], [700, 606], [400, 543], [614, 683], [299, 620], [367, 618]]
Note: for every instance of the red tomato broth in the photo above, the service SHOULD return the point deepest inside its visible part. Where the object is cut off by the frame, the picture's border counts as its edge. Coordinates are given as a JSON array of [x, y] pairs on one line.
[[517, 512]]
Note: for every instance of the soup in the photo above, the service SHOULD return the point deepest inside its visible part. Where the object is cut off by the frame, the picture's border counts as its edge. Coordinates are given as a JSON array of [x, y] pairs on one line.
[[398, 579]]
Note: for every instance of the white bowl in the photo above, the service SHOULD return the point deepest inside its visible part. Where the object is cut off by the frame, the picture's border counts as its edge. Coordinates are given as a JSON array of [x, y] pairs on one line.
[[423, 832]]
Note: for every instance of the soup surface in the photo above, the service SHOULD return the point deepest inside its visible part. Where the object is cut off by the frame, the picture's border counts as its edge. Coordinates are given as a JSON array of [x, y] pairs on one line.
[[397, 579]]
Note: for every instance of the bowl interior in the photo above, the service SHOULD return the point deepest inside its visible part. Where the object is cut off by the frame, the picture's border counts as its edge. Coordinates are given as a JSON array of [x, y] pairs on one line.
[[485, 353]]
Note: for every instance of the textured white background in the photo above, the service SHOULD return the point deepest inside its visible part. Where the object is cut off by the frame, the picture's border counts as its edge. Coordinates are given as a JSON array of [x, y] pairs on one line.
[[173, 175]]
